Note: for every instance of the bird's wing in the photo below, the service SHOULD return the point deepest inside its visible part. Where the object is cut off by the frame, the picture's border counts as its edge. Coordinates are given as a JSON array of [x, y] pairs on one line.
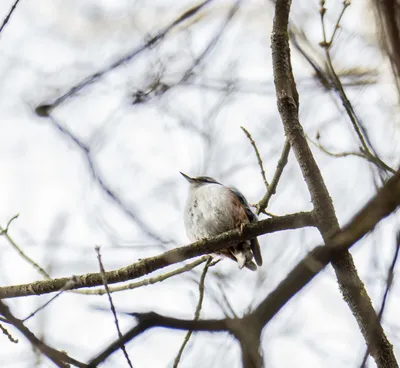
[[242, 199], [254, 244]]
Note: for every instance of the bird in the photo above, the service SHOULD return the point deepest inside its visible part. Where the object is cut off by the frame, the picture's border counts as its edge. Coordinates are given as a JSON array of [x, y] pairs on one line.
[[211, 209]]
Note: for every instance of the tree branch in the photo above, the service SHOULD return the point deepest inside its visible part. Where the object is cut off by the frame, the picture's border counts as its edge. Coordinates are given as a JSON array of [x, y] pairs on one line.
[[247, 329], [10, 13], [44, 109], [148, 265], [196, 314], [260, 162], [352, 288], [263, 204], [59, 358]]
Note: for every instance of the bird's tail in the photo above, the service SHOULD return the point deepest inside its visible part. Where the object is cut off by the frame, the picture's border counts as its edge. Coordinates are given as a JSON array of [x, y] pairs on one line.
[[244, 256], [255, 248]]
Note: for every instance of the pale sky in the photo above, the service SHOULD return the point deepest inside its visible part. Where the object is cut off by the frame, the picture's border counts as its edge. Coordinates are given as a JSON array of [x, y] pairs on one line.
[[50, 46]]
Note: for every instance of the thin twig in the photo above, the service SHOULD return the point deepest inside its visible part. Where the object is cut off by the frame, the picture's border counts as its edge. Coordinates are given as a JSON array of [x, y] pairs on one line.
[[97, 176], [260, 163], [44, 109], [8, 334], [385, 202], [358, 127], [59, 358], [4, 232], [179, 254], [389, 282], [262, 205], [101, 291], [7, 18], [149, 281], [337, 155], [351, 286], [197, 312], [68, 285], [103, 275]]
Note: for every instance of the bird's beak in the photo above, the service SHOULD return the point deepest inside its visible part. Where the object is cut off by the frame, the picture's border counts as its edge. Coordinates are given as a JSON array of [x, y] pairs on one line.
[[188, 178]]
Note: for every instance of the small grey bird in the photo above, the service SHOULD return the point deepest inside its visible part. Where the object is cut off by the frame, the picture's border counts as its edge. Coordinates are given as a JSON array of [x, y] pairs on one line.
[[212, 209]]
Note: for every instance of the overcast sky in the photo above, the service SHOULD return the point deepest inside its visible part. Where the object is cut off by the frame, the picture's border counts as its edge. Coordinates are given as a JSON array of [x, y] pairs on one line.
[[138, 150]]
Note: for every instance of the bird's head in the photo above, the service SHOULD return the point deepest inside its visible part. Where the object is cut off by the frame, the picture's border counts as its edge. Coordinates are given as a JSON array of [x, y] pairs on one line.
[[199, 181]]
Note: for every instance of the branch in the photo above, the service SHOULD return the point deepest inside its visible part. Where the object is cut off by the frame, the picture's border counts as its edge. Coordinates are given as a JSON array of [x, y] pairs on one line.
[[149, 320], [149, 281], [44, 109], [247, 329], [10, 13], [148, 265], [4, 232], [353, 289], [263, 204], [385, 202], [260, 163], [389, 282], [197, 312], [358, 127], [104, 277], [59, 358], [101, 181]]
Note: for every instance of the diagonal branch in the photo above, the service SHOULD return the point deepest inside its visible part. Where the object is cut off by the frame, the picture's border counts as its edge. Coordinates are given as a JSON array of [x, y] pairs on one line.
[[148, 265], [389, 282], [263, 204], [260, 163], [104, 277], [104, 186], [196, 314], [44, 109], [380, 206], [60, 359], [149, 320], [10, 13], [351, 286]]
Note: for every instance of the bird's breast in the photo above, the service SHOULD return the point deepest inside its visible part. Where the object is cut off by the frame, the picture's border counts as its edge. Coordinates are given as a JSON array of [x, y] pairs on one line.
[[208, 212]]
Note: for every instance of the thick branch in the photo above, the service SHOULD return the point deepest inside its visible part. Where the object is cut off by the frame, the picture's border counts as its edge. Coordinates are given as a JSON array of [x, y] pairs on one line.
[[383, 204], [151, 264], [150, 320], [350, 284]]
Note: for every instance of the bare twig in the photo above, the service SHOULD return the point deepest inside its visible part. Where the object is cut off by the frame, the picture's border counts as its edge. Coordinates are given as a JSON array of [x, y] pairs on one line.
[[7, 18], [389, 282], [148, 265], [4, 232], [271, 190], [8, 334], [351, 286], [158, 87], [358, 127], [68, 285], [104, 277], [149, 320], [381, 205], [388, 13], [60, 359], [104, 186], [337, 155], [149, 281], [260, 163], [44, 109], [196, 314], [100, 291]]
